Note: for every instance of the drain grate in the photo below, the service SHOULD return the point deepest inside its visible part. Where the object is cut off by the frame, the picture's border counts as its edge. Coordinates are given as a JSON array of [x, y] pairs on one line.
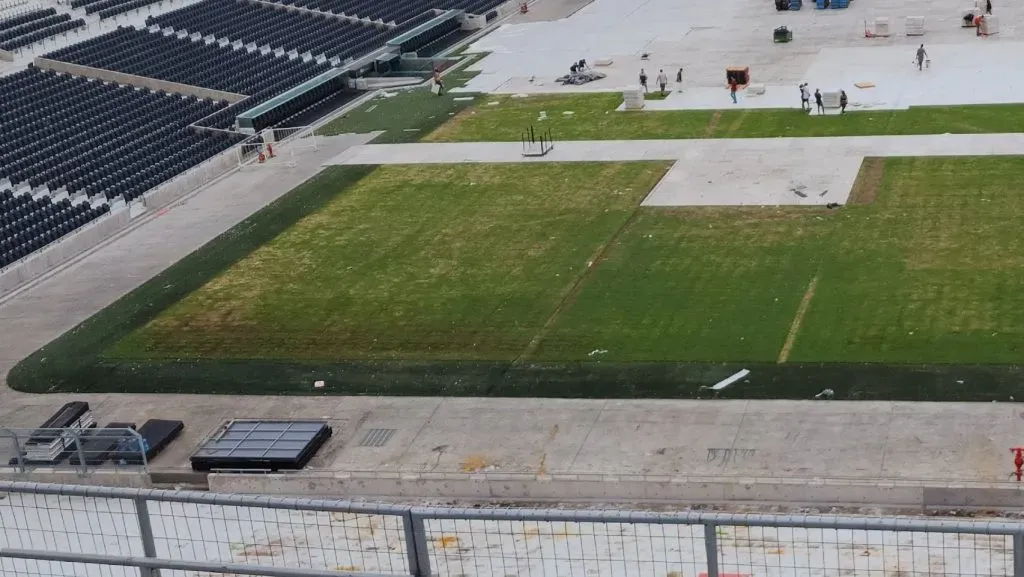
[[377, 437]]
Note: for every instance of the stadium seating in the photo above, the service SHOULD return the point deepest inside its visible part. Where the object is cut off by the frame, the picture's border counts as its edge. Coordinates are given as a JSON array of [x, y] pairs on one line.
[[26, 18], [34, 26], [397, 11], [70, 138], [27, 224], [90, 137], [260, 76], [195, 63], [264, 25]]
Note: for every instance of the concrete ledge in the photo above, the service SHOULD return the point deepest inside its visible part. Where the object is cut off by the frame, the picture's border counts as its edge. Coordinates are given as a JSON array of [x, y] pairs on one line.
[[7, 55], [192, 179], [133, 80], [136, 479], [630, 489]]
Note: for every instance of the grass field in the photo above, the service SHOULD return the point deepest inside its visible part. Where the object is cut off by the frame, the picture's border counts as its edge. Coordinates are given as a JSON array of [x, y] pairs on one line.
[[428, 262], [594, 118], [555, 263], [548, 279]]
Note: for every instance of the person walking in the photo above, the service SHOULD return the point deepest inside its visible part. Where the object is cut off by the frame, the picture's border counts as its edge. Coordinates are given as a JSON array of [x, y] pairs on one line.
[[733, 87], [988, 7], [662, 81], [921, 55], [817, 100], [805, 97], [438, 82], [643, 80], [842, 102], [679, 76]]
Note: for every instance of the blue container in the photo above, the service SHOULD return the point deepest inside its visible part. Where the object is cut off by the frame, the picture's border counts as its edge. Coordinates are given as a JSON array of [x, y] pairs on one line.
[[821, 4], [796, 4], [840, 3]]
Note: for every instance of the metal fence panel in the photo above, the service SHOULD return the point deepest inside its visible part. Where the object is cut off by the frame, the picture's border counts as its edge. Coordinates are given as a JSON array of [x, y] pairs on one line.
[[82, 450], [61, 530]]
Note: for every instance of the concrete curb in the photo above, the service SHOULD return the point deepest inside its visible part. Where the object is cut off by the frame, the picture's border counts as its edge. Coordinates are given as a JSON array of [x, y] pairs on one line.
[[636, 489]]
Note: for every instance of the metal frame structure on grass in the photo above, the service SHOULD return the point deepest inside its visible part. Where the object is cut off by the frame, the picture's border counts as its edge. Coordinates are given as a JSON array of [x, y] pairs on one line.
[[59, 530]]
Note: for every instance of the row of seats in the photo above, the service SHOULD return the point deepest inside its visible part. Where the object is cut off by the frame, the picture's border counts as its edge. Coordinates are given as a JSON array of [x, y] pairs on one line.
[[268, 26], [429, 35], [33, 26], [96, 138], [65, 24], [167, 57], [27, 224], [26, 18], [122, 6], [437, 45], [397, 11]]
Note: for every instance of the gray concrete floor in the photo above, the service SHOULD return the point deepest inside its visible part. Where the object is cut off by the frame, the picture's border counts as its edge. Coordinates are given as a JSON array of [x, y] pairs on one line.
[[729, 172]]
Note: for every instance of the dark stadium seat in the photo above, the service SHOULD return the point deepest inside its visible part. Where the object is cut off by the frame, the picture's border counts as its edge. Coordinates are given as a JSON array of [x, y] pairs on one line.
[[88, 137]]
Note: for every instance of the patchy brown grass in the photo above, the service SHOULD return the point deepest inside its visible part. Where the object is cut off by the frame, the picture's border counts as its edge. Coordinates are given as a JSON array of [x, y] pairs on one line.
[[869, 180]]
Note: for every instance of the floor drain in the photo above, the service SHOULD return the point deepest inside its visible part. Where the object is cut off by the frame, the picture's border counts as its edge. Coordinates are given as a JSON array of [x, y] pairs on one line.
[[377, 437]]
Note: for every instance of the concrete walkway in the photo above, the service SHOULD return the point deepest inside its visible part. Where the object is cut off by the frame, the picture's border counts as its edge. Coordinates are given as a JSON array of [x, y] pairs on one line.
[[741, 171], [681, 451]]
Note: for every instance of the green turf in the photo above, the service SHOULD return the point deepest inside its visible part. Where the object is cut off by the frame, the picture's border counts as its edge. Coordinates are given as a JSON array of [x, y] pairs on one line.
[[697, 284], [407, 115], [546, 280], [932, 271], [594, 118], [428, 262], [469, 262]]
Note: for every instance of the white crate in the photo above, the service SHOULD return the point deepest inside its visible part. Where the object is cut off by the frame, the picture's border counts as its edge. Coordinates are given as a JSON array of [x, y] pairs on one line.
[[633, 99], [915, 25], [881, 26]]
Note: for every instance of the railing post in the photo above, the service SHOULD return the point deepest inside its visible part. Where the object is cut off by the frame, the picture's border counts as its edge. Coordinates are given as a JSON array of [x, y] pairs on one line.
[[1018, 555], [711, 548], [146, 534], [76, 438], [16, 447], [416, 545]]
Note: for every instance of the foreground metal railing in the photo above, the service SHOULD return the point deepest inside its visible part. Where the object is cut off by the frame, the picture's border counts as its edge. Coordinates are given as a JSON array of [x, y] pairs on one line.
[[85, 531]]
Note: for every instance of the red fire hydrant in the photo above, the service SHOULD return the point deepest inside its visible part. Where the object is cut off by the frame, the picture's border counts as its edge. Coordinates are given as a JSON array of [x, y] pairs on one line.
[[1018, 462]]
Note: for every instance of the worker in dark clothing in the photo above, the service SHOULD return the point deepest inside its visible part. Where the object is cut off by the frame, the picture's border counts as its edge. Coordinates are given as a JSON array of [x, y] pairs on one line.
[[988, 7], [817, 100], [921, 55], [842, 102], [643, 80]]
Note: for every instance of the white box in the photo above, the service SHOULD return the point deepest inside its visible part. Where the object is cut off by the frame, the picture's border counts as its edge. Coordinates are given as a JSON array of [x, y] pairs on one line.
[[633, 99], [990, 25], [755, 89], [915, 25], [830, 99], [881, 26]]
